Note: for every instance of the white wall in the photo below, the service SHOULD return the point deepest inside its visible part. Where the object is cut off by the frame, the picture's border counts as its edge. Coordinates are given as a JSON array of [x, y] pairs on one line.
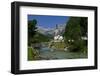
[[5, 41]]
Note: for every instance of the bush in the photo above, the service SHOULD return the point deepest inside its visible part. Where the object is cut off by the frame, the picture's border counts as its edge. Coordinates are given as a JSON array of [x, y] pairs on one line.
[[33, 54], [78, 46], [30, 54]]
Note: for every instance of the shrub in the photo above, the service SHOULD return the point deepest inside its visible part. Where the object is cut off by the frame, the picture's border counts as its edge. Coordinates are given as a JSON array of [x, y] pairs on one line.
[[78, 46]]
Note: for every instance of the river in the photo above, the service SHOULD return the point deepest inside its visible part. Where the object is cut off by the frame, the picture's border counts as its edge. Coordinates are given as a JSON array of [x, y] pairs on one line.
[[49, 54]]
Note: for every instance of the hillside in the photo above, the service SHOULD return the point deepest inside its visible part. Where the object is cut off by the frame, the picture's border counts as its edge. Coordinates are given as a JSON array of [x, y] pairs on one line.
[[40, 38]]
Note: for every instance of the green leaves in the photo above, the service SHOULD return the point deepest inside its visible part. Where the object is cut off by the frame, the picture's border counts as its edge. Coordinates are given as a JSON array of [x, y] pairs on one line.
[[75, 29], [31, 30], [33, 35]]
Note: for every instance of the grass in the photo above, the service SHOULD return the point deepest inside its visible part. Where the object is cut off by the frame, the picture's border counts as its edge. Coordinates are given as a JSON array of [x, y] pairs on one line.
[[59, 45], [30, 54], [33, 54]]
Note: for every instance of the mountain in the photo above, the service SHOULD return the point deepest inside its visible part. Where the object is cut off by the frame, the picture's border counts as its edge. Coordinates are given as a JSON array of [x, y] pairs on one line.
[[41, 30], [50, 31], [44, 31]]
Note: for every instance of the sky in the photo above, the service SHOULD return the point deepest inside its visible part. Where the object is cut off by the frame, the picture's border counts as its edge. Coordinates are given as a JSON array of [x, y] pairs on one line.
[[47, 21]]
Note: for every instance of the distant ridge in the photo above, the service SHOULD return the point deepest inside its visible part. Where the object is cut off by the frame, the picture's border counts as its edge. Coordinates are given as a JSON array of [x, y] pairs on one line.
[[50, 31]]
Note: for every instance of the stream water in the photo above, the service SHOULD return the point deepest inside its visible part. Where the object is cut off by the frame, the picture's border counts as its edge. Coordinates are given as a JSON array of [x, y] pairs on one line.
[[49, 53]]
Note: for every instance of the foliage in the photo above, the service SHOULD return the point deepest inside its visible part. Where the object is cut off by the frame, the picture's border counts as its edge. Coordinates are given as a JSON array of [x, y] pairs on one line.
[[30, 54], [40, 38], [84, 23], [33, 54], [58, 45], [74, 30], [78, 46], [31, 30], [33, 35]]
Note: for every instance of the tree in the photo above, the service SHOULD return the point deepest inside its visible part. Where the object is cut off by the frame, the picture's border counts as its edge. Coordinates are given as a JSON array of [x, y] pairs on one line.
[[74, 30], [31, 30], [84, 23]]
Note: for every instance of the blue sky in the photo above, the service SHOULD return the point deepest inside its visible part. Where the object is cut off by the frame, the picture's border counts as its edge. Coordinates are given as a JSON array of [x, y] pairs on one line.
[[47, 21]]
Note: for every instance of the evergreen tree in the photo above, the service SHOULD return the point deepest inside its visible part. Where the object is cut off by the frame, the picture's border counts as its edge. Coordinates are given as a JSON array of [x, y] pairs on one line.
[[74, 30], [31, 30]]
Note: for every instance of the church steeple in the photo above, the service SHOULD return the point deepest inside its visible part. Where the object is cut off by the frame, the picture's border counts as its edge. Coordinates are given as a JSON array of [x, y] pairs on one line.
[[56, 26], [57, 36], [56, 32]]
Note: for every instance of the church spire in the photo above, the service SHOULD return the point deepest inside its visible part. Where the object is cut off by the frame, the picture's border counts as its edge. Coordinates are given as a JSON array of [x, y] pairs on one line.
[[56, 26]]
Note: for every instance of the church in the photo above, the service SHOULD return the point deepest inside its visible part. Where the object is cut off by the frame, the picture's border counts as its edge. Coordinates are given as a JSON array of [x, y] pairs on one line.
[[57, 35]]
